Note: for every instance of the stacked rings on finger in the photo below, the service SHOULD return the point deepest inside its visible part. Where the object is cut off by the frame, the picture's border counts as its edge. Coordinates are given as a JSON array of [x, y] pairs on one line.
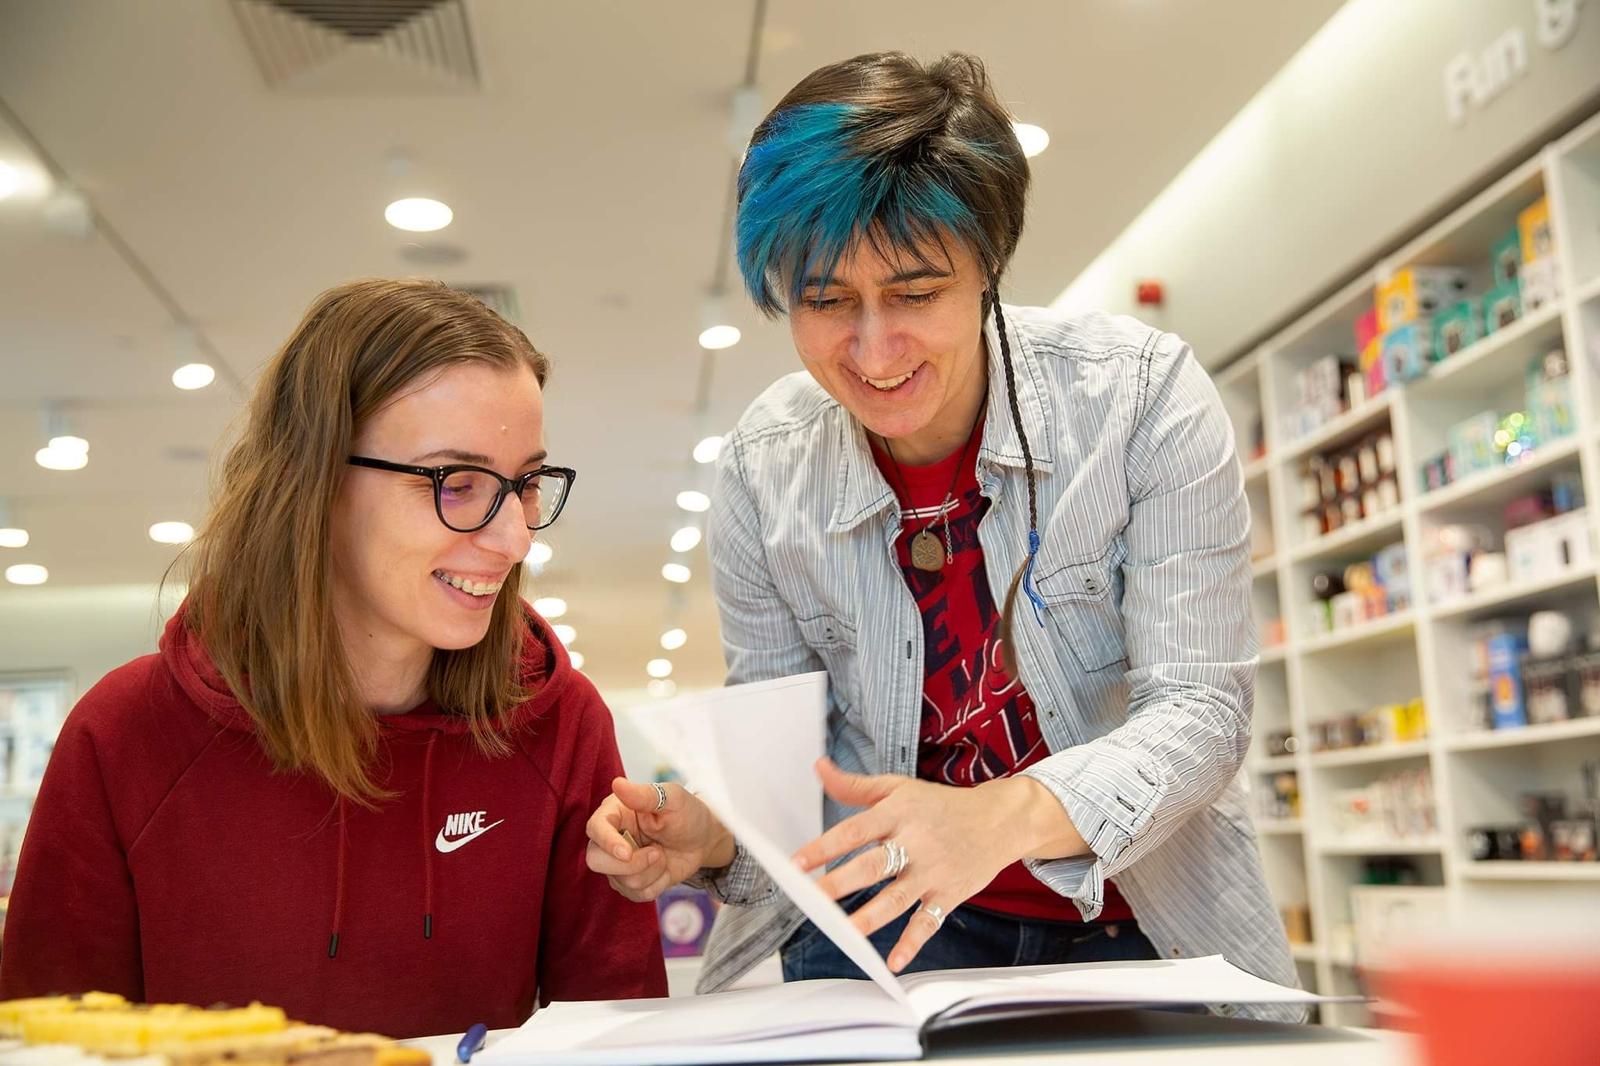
[[894, 858], [934, 911], [661, 796]]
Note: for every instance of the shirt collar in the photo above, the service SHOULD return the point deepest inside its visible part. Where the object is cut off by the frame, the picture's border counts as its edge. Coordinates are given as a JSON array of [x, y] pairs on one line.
[[863, 492]]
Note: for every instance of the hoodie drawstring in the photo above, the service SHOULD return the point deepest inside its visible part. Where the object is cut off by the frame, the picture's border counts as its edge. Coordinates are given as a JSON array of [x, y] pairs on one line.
[[338, 883], [427, 839]]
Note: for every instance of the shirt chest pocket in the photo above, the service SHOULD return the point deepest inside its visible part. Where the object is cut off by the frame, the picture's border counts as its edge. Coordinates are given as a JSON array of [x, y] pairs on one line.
[[834, 641], [1084, 606]]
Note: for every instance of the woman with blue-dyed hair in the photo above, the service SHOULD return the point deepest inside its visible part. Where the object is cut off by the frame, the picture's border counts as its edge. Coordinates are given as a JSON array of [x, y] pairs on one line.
[[1048, 780]]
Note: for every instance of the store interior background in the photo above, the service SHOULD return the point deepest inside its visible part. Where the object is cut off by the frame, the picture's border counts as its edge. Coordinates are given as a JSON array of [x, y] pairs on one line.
[[185, 185]]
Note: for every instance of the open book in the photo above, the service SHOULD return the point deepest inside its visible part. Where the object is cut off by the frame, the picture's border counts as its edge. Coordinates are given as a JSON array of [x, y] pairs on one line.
[[748, 750]]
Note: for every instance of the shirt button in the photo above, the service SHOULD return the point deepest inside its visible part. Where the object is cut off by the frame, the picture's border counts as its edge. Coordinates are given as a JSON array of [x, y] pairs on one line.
[[1091, 584], [1176, 953]]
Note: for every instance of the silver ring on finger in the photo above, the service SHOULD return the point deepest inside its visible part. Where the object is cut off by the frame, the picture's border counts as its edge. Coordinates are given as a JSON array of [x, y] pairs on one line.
[[934, 911], [894, 858], [661, 796]]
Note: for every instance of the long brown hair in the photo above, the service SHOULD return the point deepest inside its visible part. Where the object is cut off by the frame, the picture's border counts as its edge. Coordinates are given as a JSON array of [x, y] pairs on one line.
[[261, 570]]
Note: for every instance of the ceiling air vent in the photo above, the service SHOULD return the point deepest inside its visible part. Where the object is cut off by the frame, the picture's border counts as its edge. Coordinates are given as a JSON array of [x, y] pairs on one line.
[[361, 46], [499, 298]]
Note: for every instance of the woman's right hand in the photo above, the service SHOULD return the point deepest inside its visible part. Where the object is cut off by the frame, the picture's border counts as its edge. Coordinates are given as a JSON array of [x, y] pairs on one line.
[[674, 843]]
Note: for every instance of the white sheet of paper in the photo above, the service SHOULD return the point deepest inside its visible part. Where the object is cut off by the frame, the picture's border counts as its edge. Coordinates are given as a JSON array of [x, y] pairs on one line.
[[750, 752]]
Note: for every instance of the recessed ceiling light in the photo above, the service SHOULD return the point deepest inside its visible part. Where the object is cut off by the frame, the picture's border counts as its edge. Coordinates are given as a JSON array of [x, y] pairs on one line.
[[1032, 138], [691, 500], [565, 633], [673, 639], [191, 376], [708, 450], [418, 214], [675, 572], [172, 532], [61, 459], [662, 689], [686, 539], [576, 658], [12, 537], [27, 574], [68, 443], [659, 668], [10, 180], [716, 338], [550, 606], [539, 554]]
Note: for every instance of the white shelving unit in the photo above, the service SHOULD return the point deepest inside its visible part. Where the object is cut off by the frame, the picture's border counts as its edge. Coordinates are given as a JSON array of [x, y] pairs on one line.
[[1423, 651]]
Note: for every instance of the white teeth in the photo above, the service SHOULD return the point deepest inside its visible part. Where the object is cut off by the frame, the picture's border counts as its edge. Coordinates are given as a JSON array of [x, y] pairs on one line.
[[885, 384], [471, 588]]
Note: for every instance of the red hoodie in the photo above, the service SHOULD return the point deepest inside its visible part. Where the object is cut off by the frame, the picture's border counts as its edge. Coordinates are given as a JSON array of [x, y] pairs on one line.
[[167, 861]]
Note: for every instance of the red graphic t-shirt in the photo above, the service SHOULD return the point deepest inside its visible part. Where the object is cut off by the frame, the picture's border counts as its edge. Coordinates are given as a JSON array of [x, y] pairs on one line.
[[978, 722]]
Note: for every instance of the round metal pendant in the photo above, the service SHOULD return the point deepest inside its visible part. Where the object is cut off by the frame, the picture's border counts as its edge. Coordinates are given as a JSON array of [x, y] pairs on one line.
[[927, 552]]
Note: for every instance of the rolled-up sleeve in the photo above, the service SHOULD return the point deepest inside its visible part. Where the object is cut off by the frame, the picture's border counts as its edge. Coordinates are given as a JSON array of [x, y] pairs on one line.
[[1190, 639]]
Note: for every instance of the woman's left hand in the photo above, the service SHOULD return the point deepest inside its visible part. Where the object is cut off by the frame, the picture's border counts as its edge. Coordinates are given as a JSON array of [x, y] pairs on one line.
[[955, 841]]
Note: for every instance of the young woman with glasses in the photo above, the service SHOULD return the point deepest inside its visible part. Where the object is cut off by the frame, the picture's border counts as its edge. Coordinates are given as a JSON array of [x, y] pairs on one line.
[[354, 780]]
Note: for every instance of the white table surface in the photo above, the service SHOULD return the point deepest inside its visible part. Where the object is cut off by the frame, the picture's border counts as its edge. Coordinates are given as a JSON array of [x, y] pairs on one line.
[[1137, 1038]]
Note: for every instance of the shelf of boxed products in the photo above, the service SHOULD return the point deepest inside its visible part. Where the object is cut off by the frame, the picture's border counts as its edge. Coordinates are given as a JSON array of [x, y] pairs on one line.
[[1257, 469], [1515, 594], [1352, 424], [1354, 539], [1266, 566], [1421, 845], [1482, 366], [1275, 764], [1303, 952], [1489, 487], [1515, 870], [1389, 627], [1522, 736], [1370, 753], [1280, 826]]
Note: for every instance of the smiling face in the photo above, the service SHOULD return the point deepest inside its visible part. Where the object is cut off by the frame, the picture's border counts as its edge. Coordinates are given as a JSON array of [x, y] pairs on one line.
[[403, 583], [898, 340]]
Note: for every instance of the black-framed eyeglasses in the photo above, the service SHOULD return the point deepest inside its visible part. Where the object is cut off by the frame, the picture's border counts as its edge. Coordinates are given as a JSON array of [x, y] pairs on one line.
[[467, 498]]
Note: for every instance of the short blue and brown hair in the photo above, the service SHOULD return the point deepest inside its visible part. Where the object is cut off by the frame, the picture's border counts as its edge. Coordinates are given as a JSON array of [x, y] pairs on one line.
[[884, 148]]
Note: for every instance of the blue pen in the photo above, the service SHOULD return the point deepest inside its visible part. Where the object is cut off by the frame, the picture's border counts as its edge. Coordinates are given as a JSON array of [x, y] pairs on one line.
[[472, 1043]]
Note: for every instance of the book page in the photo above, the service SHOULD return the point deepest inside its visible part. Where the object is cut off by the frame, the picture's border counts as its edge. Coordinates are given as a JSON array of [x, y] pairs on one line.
[[749, 751], [946, 995]]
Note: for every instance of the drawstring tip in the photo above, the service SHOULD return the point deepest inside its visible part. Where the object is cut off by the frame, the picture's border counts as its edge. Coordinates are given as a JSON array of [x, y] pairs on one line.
[[427, 927], [333, 945], [1027, 578]]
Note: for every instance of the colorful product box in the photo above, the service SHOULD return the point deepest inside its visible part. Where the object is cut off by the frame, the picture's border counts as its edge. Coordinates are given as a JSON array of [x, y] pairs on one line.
[[1456, 327], [1507, 703], [1505, 258], [1414, 294], [1406, 352], [1372, 369], [1472, 446], [1540, 285], [1366, 328], [1549, 384], [1502, 305], [1550, 548], [1533, 226]]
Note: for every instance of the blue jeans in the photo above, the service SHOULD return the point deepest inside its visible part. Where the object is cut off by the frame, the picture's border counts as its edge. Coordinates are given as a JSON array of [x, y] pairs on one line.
[[970, 937]]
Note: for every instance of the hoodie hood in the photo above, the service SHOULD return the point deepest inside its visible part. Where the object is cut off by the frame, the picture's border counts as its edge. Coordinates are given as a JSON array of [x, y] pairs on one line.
[[546, 672]]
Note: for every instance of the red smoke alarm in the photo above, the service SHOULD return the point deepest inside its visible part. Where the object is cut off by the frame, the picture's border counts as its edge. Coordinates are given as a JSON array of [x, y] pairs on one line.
[[1150, 294]]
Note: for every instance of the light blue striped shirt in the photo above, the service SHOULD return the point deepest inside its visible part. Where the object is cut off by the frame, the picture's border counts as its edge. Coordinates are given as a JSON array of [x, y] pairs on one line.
[[1143, 672]]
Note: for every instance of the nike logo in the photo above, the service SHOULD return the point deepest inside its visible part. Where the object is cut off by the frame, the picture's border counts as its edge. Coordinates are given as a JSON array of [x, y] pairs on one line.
[[469, 823]]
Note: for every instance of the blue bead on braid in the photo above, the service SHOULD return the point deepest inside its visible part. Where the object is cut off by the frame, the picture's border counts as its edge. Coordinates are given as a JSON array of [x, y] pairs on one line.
[[1027, 577]]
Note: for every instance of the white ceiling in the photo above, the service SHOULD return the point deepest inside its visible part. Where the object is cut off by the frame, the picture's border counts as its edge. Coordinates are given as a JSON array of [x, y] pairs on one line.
[[589, 171]]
